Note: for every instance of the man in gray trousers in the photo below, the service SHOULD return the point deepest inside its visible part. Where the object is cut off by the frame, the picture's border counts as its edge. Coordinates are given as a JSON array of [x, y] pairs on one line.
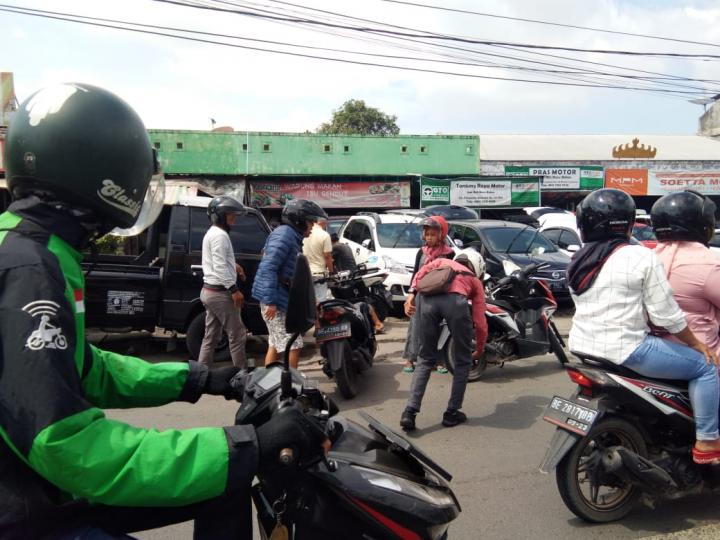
[[220, 295]]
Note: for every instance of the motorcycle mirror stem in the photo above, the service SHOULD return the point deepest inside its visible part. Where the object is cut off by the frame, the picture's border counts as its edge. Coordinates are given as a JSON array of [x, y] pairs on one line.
[[286, 376]]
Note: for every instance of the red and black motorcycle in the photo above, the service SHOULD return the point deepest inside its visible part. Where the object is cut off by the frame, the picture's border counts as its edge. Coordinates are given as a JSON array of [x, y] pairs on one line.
[[519, 314], [621, 438]]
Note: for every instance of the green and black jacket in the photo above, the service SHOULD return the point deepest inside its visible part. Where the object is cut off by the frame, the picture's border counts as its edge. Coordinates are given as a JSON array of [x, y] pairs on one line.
[[59, 454]]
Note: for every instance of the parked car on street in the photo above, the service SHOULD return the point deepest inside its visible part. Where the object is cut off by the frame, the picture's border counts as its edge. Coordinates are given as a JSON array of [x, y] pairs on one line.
[[500, 241], [388, 241], [157, 282], [335, 223]]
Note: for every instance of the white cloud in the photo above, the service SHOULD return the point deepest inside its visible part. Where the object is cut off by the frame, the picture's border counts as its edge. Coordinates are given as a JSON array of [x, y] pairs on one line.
[[181, 84]]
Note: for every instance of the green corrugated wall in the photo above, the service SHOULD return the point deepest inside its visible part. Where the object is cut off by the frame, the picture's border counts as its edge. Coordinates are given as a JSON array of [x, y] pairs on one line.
[[217, 153]]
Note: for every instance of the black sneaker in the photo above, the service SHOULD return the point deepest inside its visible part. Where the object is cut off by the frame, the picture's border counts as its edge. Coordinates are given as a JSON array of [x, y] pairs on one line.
[[407, 420], [453, 418]]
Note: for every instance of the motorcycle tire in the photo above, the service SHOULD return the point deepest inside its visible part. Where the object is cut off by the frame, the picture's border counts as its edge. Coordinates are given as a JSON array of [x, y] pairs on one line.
[[478, 367], [587, 504], [346, 376], [556, 346], [194, 337], [380, 306]]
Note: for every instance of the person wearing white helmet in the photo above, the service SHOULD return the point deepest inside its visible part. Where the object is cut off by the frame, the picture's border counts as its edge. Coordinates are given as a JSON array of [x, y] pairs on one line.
[[451, 303]]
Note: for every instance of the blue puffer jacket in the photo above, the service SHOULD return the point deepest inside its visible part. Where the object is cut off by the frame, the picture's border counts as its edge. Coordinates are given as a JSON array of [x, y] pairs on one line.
[[278, 263]]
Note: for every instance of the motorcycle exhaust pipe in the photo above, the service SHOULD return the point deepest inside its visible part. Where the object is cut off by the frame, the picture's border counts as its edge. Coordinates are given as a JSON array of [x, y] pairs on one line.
[[636, 469]]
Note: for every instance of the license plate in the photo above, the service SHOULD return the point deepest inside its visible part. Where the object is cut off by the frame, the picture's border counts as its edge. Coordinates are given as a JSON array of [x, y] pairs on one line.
[[557, 285], [336, 331], [570, 416]]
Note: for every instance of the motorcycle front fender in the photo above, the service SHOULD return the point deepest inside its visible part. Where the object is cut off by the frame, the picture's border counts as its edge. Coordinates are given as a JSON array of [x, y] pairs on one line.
[[335, 351], [560, 444]]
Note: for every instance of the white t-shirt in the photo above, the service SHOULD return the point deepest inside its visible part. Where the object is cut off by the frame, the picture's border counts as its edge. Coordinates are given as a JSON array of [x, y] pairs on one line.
[[611, 318], [218, 258], [314, 248]]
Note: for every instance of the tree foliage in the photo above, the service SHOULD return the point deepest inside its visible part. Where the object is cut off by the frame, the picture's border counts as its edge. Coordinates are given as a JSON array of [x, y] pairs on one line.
[[356, 118]]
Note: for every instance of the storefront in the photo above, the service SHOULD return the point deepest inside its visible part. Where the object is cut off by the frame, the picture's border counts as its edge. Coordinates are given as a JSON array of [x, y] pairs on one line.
[[570, 166]]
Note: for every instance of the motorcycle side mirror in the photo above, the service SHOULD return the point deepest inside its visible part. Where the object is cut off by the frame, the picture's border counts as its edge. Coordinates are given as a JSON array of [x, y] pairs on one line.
[[301, 299]]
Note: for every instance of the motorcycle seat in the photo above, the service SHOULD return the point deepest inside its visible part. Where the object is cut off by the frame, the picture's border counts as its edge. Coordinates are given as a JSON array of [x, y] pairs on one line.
[[619, 369]]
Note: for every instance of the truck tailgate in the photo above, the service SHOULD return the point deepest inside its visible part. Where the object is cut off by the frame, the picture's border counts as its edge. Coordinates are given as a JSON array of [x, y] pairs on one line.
[[119, 296]]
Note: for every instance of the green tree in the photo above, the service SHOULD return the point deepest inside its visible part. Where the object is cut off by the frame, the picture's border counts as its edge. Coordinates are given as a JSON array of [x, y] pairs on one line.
[[356, 118]]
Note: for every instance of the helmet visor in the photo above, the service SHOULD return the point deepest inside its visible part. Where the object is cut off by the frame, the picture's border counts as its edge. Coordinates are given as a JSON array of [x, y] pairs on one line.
[[151, 208]]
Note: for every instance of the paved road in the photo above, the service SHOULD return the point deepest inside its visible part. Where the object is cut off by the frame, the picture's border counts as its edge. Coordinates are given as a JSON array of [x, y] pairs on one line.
[[494, 457]]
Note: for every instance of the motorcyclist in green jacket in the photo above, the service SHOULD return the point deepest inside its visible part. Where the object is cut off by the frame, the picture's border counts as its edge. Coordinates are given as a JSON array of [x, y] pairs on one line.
[[79, 164]]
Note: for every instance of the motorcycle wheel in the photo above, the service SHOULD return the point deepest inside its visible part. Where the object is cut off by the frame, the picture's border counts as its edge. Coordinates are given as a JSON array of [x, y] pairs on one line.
[[556, 347], [478, 366], [347, 376], [589, 492], [380, 306]]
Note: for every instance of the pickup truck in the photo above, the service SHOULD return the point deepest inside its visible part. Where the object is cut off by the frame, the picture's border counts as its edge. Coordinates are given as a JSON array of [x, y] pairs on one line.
[[157, 281]]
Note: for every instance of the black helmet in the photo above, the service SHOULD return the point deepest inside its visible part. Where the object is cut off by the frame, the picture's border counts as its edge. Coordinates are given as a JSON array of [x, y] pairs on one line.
[[84, 146], [299, 211], [221, 206], [683, 215], [605, 213]]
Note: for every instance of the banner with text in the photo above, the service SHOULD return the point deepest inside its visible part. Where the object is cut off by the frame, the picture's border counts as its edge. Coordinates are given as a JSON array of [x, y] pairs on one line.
[[481, 193], [434, 192], [562, 178], [705, 182], [631, 181], [274, 194]]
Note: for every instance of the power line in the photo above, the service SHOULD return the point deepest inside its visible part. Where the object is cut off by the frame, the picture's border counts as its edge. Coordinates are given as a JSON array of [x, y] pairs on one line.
[[550, 23], [442, 37], [575, 76], [93, 21]]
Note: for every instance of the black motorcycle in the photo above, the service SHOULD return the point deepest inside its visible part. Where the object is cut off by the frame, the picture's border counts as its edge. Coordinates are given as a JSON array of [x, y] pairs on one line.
[[519, 312], [620, 436], [345, 331], [373, 484]]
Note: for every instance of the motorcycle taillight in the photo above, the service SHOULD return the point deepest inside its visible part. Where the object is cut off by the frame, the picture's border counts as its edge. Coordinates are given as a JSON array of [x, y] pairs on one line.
[[583, 381], [332, 315]]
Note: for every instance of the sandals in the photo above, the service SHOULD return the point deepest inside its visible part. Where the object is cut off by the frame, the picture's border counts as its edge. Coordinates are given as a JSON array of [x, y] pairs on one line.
[[441, 369], [409, 369], [706, 458]]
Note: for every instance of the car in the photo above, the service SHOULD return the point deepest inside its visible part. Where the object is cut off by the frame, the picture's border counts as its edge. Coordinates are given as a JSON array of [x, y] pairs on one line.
[[566, 238], [500, 241], [448, 211], [644, 234], [335, 223], [389, 241]]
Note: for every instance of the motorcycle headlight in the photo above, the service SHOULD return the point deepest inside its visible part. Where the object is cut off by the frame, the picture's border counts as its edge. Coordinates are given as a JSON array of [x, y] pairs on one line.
[[393, 265], [509, 267], [406, 487]]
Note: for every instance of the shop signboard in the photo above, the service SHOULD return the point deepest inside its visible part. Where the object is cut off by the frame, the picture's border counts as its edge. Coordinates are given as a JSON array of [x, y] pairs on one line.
[[481, 192], [705, 182], [631, 181], [562, 177], [328, 194], [2, 153], [434, 192]]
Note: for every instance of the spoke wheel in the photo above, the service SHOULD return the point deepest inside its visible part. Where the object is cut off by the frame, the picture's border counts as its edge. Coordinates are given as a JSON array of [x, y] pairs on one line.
[[587, 490]]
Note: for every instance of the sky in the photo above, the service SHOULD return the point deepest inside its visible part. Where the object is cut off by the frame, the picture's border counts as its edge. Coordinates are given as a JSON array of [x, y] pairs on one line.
[[183, 84]]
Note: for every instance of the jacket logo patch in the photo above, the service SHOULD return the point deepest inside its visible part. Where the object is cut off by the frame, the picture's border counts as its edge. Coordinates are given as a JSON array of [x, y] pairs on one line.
[[46, 336]]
